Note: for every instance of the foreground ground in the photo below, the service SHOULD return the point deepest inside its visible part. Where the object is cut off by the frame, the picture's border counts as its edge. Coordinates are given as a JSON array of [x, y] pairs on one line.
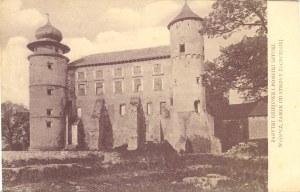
[[151, 180], [135, 171]]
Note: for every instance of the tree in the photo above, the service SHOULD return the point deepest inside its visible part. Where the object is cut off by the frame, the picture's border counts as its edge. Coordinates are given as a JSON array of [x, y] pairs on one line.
[[229, 16], [15, 126], [241, 66]]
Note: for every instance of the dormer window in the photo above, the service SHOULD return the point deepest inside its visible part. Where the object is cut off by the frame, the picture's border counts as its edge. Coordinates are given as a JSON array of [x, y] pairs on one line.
[[181, 48]]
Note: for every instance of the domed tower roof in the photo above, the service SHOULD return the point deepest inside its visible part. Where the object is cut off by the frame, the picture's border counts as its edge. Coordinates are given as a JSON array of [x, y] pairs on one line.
[[186, 13], [48, 32], [48, 35]]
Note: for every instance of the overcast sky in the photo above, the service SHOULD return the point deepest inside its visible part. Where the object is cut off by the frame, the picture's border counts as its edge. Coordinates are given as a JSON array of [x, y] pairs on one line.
[[88, 27]]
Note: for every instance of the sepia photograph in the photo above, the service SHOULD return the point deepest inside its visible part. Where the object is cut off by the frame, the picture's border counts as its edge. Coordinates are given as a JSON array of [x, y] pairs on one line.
[[128, 95]]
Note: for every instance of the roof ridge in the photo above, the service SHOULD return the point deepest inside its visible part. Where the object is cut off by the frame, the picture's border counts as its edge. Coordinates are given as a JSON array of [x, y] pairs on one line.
[[135, 49], [123, 55]]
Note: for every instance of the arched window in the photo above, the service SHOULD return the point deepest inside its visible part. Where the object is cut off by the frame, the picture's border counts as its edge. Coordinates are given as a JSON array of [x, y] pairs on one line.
[[197, 106], [181, 48]]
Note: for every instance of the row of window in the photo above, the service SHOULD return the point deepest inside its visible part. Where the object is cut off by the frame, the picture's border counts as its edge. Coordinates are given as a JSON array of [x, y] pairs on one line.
[[118, 72], [118, 86], [123, 109]]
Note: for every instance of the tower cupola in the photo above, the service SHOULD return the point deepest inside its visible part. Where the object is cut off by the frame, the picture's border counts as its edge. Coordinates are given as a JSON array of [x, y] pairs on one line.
[[186, 13], [48, 35], [48, 32]]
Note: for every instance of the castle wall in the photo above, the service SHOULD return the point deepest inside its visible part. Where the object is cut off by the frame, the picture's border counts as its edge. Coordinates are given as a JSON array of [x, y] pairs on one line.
[[124, 126]]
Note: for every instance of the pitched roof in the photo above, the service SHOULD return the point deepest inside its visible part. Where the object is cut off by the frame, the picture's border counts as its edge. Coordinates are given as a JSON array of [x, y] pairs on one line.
[[261, 109], [186, 13], [245, 110], [237, 111], [123, 56]]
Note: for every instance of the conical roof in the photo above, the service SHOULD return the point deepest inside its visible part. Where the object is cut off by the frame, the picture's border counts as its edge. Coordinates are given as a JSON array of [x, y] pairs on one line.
[[186, 13], [48, 32]]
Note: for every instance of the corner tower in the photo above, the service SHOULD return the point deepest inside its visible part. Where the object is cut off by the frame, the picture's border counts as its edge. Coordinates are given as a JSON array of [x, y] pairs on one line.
[[190, 119], [47, 89]]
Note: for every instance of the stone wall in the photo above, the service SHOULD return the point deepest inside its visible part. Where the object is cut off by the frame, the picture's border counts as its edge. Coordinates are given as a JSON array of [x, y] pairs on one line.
[[10, 156], [124, 126], [258, 127]]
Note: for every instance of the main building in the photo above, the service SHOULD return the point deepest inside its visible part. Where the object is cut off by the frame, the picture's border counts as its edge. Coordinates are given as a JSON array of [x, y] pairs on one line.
[[125, 98]]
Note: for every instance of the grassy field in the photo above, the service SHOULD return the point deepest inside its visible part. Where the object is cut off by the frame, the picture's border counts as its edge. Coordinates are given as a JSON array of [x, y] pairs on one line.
[[143, 180]]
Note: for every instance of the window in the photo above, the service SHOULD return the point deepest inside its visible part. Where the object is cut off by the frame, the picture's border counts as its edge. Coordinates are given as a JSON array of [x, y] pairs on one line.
[[81, 89], [137, 85], [157, 83], [49, 65], [197, 106], [149, 108], [163, 107], [49, 91], [122, 109], [99, 88], [198, 81], [157, 69], [49, 124], [79, 112], [118, 72], [81, 75], [171, 101], [99, 74], [118, 85], [137, 70], [181, 48], [49, 111]]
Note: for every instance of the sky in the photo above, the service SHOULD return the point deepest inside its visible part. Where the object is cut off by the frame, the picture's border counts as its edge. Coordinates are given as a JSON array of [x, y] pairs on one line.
[[89, 27]]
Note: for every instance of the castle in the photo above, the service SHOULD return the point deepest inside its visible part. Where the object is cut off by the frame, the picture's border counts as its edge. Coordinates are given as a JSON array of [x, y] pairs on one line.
[[132, 97]]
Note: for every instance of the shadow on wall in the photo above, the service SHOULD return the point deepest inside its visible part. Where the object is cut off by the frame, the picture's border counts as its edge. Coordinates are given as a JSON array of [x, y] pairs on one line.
[[81, 136], [141, 125], [197, 144], [105, 140]]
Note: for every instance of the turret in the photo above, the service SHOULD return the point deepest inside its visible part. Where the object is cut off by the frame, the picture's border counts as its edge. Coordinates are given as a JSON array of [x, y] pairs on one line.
[[190, 120], [47, 89], [187, 54]]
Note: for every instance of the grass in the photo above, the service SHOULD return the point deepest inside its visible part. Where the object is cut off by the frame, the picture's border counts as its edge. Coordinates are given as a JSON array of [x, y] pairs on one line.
[[136, 174]]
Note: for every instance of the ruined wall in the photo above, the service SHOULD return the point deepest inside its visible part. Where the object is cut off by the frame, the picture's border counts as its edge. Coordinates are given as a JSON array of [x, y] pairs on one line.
[[124, 126], [258, 127]]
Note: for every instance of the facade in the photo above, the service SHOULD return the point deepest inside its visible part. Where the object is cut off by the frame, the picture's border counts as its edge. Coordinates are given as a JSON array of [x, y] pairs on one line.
[[125, 98]]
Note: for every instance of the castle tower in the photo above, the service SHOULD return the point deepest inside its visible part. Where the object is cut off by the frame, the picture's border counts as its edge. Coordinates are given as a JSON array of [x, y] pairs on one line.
[[189, 116], [47, 89]]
